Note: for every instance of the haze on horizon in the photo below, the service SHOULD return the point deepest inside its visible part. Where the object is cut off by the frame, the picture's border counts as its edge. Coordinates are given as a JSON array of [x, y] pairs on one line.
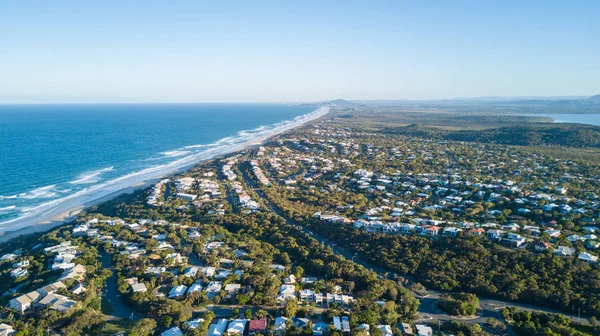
[[242, 51]]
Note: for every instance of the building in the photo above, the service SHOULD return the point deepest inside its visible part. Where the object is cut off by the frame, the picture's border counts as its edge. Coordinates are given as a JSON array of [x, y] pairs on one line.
[[257, 327], [386, 329], [585, 256], [405, 328], [57, 302], [139, 288], [286, 292], [237, 327], [213, 289], [280, 326], [175, 331], [195, 287], [24, 302], [177, 291], [218, 328], [423, 330], [186, 197], [6, 330]]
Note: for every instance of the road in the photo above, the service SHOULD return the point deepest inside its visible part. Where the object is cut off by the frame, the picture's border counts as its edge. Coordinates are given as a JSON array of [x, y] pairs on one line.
[[111, 292], [427, 308]]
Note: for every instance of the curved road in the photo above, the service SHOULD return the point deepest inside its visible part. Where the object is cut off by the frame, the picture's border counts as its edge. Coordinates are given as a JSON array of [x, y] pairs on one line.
[[111, 292]]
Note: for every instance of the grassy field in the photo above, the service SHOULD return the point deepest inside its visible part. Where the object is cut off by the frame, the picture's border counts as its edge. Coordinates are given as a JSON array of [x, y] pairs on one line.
[[116, 326]]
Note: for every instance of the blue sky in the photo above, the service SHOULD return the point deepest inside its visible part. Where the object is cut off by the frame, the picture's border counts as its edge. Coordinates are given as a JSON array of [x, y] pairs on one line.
[[247, 51]]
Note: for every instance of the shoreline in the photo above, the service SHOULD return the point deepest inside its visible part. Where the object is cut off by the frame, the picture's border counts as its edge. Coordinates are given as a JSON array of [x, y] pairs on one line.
[[69, 210]]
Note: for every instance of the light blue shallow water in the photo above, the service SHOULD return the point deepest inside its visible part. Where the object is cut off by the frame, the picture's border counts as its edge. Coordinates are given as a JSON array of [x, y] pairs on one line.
[[590, 119], [52, 152]]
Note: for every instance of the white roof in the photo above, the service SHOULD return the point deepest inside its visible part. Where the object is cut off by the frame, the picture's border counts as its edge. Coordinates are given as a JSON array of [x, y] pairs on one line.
[[218, 328], [237, 326], [175, 331]]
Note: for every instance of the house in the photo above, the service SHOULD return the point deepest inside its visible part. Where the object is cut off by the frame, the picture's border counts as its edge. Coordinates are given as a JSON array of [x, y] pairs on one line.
[[307, 295], [495, 234], [232, 288], [423, 330], [476, 232], [177, 291], [405, 328], [195, 287], [77, 273], [514, 240], [309, 280], [155, 270], [24, 302], [237, 327], [406, 228], [18, 272], [57, 302], [430, 230], [451, 231], [213, 289], [386, 329], [78, 289], [364, 327], [286, 292], [139, 288], [574, 238], [337, 323], [339, 299], [217, 328], [585, 256], [191, 272], [345, 324], [564, 251], [175, 331], [257, 327], [512, 227], [290, 280], [541, 246], [223, 274], [280, 326], [208, 271], [186, 197], [194, 324], [6, 330]]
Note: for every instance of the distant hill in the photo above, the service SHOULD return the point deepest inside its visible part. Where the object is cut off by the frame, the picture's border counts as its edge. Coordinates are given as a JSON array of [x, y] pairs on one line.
[[342, 103], [590, 101], [593, 100], [537, 134]]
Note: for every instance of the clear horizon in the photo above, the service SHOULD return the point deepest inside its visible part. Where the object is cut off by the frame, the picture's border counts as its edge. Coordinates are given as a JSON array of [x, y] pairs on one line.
[[68, 52]]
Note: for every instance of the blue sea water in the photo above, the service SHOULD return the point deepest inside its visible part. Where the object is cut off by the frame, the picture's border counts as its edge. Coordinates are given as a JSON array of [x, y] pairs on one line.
[[589, 119], [53, 153]]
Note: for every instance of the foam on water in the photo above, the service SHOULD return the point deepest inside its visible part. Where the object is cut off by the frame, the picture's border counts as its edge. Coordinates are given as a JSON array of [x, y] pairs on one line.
[[96, 189], [175, 153], [91, 177]]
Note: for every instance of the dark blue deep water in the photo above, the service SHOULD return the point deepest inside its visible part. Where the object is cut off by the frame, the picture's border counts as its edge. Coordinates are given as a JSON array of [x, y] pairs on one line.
[[48, 152]]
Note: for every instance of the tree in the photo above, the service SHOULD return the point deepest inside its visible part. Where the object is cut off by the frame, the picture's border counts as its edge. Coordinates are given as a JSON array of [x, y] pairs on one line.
[[143, 327], [290, 308], [248, 314], [261, 313], [166, 321]]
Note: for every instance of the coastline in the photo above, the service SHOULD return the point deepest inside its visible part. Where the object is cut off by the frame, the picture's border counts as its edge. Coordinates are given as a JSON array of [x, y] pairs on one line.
[[70, 209]]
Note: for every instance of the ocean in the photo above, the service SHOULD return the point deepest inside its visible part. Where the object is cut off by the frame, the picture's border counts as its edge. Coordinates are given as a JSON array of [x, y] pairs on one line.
[[56, 157]]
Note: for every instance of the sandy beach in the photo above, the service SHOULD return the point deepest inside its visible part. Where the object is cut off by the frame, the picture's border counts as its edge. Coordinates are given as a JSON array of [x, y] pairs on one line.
[[69, 214], [69, 208]]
